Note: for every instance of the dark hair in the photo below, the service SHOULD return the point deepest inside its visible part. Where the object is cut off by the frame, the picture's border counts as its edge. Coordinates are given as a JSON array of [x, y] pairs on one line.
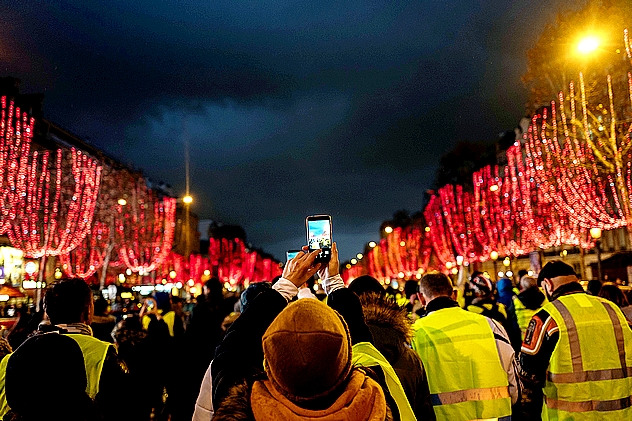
[[252, 292], [215, 291], [553, 269], [435, 284], [68, 301], [365, 284], [410, 288], [521, 273], [100, 306], [593, 287], [613, 293]]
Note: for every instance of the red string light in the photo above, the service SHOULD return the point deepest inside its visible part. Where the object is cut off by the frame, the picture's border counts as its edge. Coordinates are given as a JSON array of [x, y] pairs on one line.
[[146, 227], [55, 212], [16, 134]]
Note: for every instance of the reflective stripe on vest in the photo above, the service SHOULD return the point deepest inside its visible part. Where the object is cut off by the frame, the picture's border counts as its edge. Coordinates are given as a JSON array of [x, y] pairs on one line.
[[466, 377], [4, 406], [94, 353], [590, 371], [366, 355], [523, 315]]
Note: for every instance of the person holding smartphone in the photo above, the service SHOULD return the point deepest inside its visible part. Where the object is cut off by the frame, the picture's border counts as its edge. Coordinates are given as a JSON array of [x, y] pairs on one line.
[[305, 349]]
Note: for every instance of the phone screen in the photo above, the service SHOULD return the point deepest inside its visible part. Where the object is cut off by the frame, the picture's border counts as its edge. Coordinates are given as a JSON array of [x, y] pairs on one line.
[[291, 254], [319, 235]]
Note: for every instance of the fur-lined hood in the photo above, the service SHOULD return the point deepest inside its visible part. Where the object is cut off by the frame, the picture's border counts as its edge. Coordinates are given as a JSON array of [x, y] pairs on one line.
[[383, 311], [236, 405]]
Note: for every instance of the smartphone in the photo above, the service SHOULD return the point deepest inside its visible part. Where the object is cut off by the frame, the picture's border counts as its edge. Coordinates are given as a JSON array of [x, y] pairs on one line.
[[319, 236], [291, 254], [150, 304]]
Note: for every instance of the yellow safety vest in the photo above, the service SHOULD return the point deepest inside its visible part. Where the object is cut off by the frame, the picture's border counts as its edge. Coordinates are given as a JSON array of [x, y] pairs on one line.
[[523, 315], [170, 319], [366, 355], [590, 371], [4, 406], [94, 352], [466, 377]]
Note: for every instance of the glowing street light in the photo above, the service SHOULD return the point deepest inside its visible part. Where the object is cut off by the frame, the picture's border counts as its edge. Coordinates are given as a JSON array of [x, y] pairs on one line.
[[595, 233], [588, 45], [388, 230], [372, 244], [187, 199]]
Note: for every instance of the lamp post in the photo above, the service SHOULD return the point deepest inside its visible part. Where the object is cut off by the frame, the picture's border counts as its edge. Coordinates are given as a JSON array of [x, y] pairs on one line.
[[494, 256], [595, 233], [507, 264]]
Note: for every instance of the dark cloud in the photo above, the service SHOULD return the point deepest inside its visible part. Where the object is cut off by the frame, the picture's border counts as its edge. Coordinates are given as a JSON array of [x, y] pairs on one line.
[[290, 108]]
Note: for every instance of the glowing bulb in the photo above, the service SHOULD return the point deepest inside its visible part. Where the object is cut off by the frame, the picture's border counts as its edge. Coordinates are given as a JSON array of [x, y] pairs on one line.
[[459, 260], [191, 282], [187, 199], [448, 265], [207, 272], [354, 261], [372, 244], [501, 274], [122, 202], [455, 271], [128, 272], [359, 256], [427, 229], [493, 187], [509, 274], [595, 233], [493, 255], [173, 274], [588, 45], [388, 230]]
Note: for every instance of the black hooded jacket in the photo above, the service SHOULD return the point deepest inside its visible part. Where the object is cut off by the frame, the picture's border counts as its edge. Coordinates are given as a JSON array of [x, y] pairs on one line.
[[391, 329]]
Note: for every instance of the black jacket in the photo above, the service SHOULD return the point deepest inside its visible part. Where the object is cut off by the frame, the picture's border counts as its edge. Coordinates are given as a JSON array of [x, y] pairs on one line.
[[238, 358], [111, 404], [391, 329]]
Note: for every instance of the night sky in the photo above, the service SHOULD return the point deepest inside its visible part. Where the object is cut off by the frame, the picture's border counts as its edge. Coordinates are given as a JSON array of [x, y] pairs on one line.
[[291, 108]]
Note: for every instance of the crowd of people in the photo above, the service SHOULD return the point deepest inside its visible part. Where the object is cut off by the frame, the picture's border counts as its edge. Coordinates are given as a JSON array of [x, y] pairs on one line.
[[541, 349]]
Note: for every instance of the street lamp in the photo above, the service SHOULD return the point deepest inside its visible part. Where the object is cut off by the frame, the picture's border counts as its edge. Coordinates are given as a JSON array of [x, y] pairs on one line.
[[595, 233], [372, 244], [187, 199], [494, 256], [588, 45], [388, 229]]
